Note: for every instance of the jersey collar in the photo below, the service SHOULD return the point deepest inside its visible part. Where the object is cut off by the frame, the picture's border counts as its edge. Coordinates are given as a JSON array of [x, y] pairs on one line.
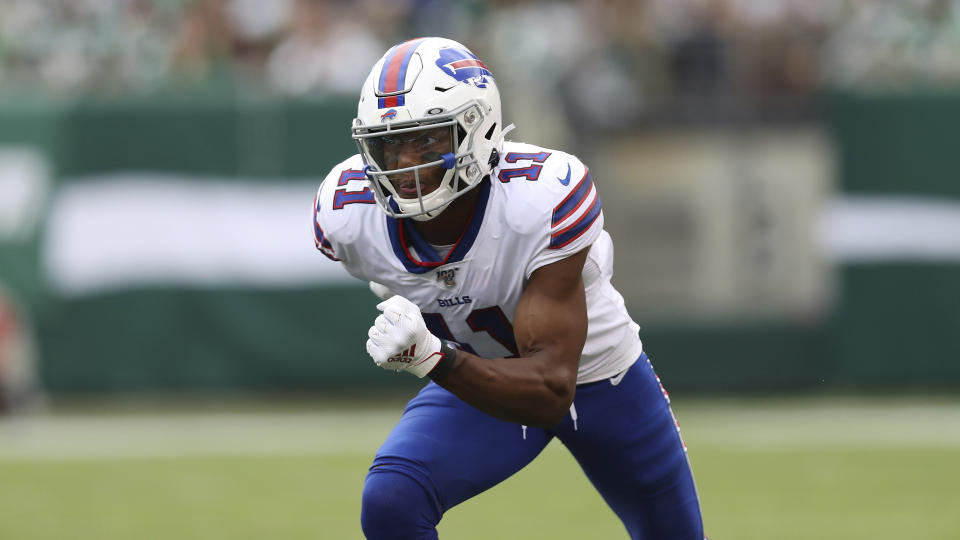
[[404, 238]]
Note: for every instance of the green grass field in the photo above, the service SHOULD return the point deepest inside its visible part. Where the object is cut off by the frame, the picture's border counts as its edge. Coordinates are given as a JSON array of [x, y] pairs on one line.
[[790, 469]]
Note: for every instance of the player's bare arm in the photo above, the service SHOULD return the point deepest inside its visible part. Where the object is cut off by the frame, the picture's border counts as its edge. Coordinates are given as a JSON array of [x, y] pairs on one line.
[[550, 326]]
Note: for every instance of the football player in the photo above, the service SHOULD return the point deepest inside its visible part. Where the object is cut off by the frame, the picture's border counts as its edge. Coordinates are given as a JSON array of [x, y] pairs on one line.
[[495, 271]]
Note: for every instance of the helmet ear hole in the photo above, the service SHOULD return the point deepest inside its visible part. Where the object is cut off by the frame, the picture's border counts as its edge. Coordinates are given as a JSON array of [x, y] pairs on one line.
[[490, 131]]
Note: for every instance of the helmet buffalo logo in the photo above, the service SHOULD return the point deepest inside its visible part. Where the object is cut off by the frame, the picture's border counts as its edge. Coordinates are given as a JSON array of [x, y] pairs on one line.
[[389, 115], [463, 66]]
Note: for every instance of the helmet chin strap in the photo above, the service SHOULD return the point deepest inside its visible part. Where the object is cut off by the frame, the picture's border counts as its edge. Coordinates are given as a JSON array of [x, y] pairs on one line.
[[435, 211], [429, 215], [449, 162]]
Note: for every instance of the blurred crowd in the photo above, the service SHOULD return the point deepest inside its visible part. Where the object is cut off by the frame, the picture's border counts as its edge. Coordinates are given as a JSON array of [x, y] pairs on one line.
[[607, 63]]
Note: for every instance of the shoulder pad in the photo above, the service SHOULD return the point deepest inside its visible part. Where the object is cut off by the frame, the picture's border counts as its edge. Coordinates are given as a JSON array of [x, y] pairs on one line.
[[543, 187], [342, 197]]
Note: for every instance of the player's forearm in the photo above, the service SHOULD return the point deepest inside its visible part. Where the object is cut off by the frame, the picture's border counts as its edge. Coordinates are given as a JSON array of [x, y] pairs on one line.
[[526, 390]]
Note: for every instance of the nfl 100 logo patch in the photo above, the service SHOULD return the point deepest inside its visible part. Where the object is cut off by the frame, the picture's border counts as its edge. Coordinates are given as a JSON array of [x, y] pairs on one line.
[[447, 277]]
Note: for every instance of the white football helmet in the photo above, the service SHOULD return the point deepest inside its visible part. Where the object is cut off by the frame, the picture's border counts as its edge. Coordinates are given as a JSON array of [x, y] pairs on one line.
[[419, 89]]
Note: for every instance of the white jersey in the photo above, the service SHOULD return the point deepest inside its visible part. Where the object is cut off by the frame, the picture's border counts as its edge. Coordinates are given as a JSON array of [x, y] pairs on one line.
[[539, 206]]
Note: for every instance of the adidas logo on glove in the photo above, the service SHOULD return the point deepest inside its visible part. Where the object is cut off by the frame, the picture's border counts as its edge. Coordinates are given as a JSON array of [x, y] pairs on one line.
[[405, 357]]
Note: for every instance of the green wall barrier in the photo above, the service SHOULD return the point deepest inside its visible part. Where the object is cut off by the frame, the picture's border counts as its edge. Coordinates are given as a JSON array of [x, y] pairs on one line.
[[224, 339], [899, 326], [215, 136], [897, 143]]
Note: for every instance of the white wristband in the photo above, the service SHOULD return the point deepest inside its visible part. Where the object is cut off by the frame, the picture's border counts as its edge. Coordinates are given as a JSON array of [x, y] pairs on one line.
[[422, 367]]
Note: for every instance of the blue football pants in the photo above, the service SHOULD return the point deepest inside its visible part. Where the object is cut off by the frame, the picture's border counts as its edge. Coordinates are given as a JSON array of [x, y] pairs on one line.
[[624, 436]]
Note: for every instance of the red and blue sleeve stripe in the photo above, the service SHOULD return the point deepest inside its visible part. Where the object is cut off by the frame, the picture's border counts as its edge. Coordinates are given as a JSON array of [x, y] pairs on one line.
[[576, 230], [394, 73], [573, 200], [570, 205]]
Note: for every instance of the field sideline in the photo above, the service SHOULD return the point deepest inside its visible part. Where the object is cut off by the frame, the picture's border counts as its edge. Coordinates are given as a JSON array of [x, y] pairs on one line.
[[785, 469]]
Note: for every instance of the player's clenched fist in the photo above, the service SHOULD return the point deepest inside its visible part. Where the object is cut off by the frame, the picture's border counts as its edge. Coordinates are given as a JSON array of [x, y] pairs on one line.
[[399, 339]]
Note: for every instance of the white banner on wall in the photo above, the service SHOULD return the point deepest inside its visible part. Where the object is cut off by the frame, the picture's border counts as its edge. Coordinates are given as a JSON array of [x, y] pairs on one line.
[[130, 230], [889, 228]]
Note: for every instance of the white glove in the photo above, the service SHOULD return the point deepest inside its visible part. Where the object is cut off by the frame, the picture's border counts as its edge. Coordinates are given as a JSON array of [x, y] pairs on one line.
[[381, 291], [399, 339]]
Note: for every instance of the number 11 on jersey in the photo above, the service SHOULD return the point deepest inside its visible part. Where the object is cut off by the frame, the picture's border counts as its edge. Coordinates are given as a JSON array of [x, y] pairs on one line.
[[491, 320]]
